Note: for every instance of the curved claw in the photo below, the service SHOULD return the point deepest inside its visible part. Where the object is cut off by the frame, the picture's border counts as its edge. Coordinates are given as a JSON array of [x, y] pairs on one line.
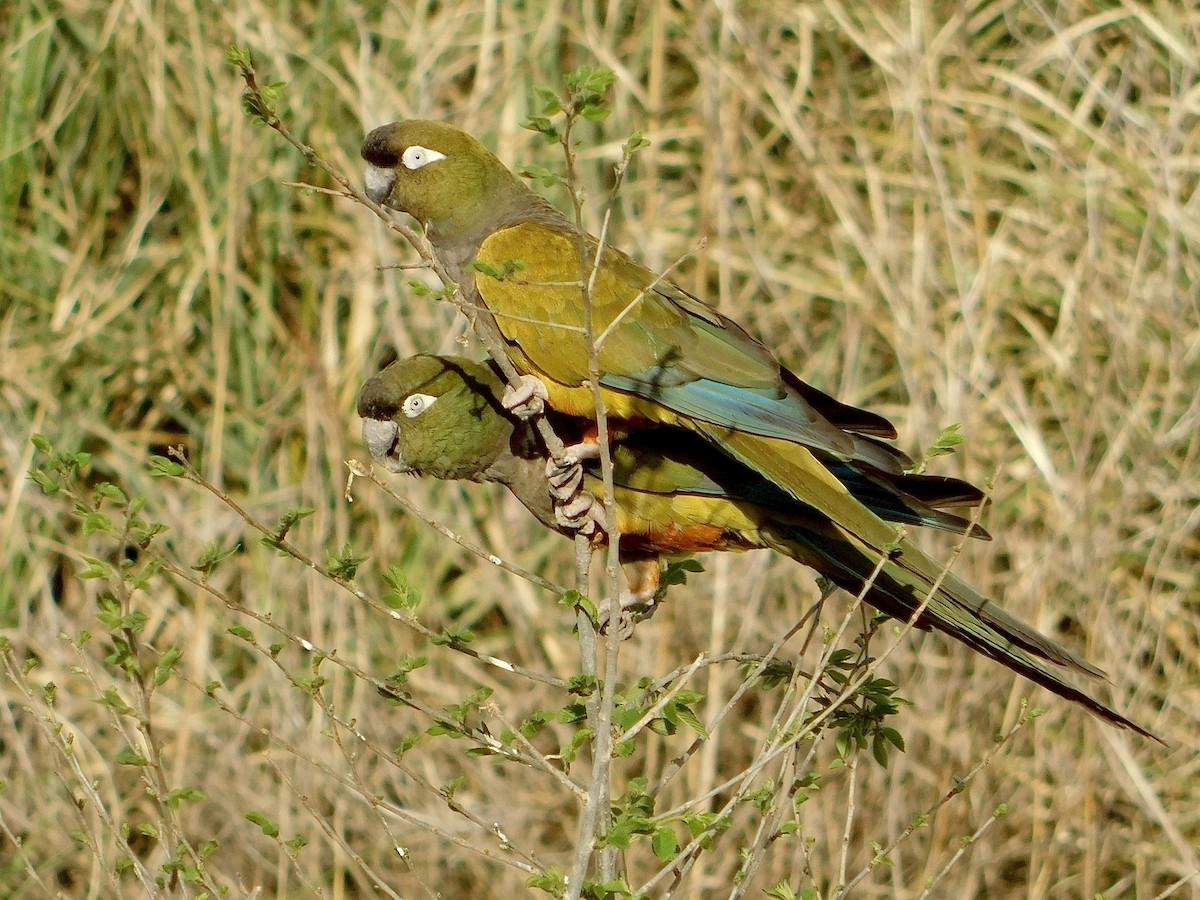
[[637, 601], [618, 619], [527, 399], [564, 481], [582, 512], [565, 473]]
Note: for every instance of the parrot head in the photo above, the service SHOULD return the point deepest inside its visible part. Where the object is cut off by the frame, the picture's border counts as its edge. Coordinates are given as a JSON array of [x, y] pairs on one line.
[[434, 415], [441, 176]]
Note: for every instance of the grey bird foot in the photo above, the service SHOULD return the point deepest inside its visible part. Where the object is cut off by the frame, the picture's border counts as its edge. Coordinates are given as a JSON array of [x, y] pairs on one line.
[[527, 399], [582, 513], [565, 473], [631, 607]]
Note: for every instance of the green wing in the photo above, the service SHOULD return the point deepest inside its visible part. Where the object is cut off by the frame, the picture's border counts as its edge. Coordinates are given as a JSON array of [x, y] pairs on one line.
[[657, 345]]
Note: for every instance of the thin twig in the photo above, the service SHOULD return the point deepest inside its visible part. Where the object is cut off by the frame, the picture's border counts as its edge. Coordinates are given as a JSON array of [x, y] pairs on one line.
[[369, 473], [350, 587]]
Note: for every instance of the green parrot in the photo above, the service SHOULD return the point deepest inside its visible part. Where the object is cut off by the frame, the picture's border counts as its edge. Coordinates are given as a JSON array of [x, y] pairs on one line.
[[674, 494], [665, 357]]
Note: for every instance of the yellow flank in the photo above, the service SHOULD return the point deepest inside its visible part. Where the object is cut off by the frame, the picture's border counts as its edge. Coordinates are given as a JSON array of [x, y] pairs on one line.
[[682, 523]]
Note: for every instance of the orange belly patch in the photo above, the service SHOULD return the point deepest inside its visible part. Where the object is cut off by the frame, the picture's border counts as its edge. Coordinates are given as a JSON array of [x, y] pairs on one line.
[[671, 539]]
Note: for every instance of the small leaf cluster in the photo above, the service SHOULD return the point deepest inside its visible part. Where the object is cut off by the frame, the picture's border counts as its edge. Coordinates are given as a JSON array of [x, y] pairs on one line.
[[261, 104], [287, 521], [504, 272], [344, 565], [948, 441], [675, 710], [861, 720], [583, 99], [455, 724], [271, 829]]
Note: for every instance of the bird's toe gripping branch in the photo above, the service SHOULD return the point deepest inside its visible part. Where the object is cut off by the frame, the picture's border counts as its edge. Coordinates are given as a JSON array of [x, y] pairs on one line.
[[565, 472], [574, 507], [637, 602], [582, 512], [526, 399]]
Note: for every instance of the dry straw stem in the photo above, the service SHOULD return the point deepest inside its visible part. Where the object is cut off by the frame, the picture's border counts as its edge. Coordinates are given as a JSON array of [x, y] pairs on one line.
[[978, 215]]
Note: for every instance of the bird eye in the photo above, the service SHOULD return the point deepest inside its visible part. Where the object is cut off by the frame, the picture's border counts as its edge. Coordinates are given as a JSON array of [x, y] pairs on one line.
[[415, 404], [416, 156]]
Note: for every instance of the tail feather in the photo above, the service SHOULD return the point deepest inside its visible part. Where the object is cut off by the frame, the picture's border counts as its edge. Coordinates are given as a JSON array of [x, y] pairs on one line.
[[848, 546], [912, 499]]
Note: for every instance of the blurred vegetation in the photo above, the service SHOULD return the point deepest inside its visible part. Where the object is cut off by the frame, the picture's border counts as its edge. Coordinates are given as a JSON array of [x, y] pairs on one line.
[[984, 215]]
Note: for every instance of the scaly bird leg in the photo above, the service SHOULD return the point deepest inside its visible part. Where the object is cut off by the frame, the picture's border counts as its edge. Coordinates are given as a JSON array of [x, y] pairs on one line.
[[527, 399], [637, 602]]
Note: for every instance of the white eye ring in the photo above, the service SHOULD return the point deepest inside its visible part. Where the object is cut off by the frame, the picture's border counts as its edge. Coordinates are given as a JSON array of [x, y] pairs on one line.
[[417, 156], [415, 404]]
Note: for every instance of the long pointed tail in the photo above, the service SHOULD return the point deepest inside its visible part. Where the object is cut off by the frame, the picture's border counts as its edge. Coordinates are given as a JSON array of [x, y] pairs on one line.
[[845, 541]]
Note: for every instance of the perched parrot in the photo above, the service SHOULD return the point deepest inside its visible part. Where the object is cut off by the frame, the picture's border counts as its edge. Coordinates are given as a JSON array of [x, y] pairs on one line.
[[443, 416]]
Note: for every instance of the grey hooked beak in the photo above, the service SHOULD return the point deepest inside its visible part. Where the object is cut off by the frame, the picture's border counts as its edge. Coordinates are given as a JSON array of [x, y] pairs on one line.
[[379, 183], [380, 437]]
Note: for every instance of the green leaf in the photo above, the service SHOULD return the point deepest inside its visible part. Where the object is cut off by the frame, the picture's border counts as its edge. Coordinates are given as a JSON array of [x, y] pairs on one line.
[[407, 742], [583, 685], [114, 701], [167, 663], [269, 827], [422, 289], [344, 565], [97, 569], [106, 490], [551, 103], [213, 555], [503, 272], [179, 796], [451, 637], [677, 571], [402, 595], [542, 125], [635, 142], [595, 113], [450, 788], [408, 663], [238, 57], [163, 467], [950, 438], [547, 177], [48, 484], [575, 600], [685, 715], [879, 749], [286, 522], [551, 880], [41, 445], [781, 891], [130, 757], [571, 751], [94, 521], [665, 843], [533, 724]]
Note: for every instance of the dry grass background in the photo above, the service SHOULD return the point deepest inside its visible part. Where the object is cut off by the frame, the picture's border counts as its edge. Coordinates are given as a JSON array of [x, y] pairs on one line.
[[983, 214]]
